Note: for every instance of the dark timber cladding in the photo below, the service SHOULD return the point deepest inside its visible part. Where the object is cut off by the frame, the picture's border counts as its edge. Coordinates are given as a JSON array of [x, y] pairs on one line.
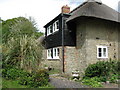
[[55, 39]]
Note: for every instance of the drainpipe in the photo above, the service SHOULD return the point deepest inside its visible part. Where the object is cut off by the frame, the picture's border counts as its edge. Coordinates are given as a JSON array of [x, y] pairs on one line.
[[63, 44]]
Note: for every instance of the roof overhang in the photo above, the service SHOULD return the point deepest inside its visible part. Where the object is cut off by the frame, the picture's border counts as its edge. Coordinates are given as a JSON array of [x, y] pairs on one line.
[[93, 9]]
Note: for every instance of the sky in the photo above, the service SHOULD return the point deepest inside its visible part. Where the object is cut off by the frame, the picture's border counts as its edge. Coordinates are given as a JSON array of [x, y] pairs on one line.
[[42, 11]]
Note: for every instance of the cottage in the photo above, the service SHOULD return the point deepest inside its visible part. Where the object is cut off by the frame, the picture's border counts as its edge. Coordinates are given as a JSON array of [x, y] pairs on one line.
[[75, 39]]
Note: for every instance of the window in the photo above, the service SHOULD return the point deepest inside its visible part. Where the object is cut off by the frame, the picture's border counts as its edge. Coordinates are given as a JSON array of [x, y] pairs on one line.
[[53, 28], [49, 30], [53, 53], [49, 54], [56, 26], [102, 52]]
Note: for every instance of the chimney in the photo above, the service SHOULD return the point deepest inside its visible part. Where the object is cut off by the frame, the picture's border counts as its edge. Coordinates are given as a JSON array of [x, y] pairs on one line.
[[65, 9]]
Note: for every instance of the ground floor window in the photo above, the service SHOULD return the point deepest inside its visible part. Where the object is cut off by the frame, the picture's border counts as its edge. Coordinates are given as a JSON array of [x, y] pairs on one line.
[[53, 53], [102, 52]]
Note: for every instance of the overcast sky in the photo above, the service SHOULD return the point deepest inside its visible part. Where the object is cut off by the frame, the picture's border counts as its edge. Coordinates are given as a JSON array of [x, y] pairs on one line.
[[41, 10]]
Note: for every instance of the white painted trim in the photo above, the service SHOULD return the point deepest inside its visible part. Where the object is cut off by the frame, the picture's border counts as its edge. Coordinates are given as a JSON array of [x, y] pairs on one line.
[[102, 52], [53, 53]]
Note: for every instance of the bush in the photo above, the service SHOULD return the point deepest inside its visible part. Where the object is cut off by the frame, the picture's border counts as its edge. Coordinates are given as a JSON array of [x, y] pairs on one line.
[[105, 71], [93, 82], [39, 78], [102, 68], [103, 78], [26, 80], [113, 78], [13, 73]]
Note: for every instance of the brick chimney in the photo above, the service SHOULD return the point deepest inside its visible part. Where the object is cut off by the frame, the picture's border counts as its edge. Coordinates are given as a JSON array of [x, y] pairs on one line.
[[65, 9]]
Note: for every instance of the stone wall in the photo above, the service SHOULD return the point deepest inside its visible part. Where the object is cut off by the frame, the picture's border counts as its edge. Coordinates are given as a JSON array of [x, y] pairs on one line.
[[75, 57], [102, 33], [89, 34], [52, 63]]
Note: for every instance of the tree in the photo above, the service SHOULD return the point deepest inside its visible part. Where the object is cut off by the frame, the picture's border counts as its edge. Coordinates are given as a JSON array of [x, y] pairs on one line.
[[17, 27], [20, 47]]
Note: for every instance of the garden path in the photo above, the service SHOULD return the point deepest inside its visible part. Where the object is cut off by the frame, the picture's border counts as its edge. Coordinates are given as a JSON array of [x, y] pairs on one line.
[[61, 82]]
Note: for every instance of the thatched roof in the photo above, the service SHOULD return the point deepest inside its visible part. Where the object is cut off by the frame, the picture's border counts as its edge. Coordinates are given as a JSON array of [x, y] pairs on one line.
[[95, 9], [41, 38]]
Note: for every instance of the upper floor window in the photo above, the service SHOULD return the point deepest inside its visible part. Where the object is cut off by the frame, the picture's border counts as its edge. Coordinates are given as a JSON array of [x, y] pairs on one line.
[[53, 53], [49, 30], [53, 28], [102, 52]]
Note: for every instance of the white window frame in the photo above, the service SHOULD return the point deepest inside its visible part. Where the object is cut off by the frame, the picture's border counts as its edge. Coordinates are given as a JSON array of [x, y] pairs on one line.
[[55, 26], [48, 30], [55, 53], [102, 52], [49, 54]]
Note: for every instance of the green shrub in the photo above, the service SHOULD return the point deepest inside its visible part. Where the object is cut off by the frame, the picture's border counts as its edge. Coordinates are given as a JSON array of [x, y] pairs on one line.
[[26, 80], [13, 73], [97, 69], [113, 78], [93, 82], [102, 68], [103, 78], [36, 79], [41, 78]]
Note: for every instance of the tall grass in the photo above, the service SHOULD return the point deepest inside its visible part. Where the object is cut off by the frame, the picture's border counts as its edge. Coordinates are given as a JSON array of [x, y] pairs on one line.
[[20, 47]]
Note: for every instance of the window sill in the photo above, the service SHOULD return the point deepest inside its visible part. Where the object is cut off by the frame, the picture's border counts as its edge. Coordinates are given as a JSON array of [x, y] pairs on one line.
[[53, 58], [102, 57], [52, 33]]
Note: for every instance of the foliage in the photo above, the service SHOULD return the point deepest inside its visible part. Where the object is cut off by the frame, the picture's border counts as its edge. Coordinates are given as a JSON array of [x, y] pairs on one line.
[[15, 84], [40, 78], [13, 73], [26, 80], [102, 68], [11, 84], [96, 69], [17, 27], [105, 71], [34, 79], [93, 82], [113, 78], [24, 52], [20, 47], [103, 78]]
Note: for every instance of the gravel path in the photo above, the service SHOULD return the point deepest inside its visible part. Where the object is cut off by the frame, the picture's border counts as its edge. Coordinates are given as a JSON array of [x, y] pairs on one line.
[[59, 82]]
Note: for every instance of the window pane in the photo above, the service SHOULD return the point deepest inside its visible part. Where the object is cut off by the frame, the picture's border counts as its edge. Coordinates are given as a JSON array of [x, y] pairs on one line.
[[50, 29], [104, 52], [48, 53], [55, 51], [99, 50], [57, 25], [54, 27], [58, 51], [100, 54], [52, 53]]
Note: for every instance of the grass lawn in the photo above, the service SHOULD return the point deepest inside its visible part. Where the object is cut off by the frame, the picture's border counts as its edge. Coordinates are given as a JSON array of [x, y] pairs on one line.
[[11, 84], [14, 84], [54, 72]]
